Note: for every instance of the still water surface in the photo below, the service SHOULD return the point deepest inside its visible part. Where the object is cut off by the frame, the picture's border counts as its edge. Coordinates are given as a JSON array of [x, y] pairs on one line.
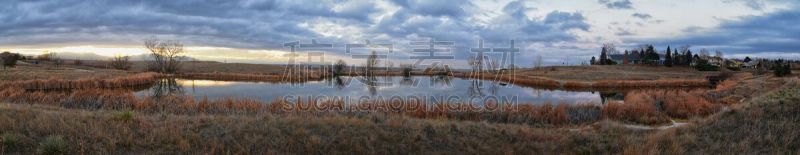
[[471, 90]]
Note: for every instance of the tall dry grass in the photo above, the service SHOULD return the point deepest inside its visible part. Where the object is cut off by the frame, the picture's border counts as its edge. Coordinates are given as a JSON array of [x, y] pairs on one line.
[[645, 107], [650, 83], [232, 77], [658, 106], [90, 83], [112, 132], [122, 99], [636, 112]]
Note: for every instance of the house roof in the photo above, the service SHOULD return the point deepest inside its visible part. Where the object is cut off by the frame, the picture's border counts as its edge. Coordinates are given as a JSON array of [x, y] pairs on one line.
[[751, 63]]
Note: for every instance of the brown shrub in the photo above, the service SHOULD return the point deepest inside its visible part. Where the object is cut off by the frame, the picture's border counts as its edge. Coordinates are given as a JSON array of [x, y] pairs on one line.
[[677, 104], [61, 84], [635, 109]]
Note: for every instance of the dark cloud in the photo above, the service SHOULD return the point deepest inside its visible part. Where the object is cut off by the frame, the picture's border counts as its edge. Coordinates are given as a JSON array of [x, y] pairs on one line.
[[642, 16], [243, 24], [623, 32], [566, 20], [622, 4], [753, 4], [266, 24], [512, 23], [452, 8], [772, 32]]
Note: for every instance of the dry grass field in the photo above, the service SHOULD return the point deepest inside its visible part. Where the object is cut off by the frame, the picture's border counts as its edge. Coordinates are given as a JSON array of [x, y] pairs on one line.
[[763, 125], [111, 121], [615, 72], [48, 71]]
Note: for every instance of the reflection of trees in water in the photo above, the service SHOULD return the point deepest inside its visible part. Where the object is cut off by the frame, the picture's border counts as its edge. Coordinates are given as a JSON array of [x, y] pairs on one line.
[[408, 81], [609, 96], [372, 84], [475, 88], [340, 82], [441, 80], [494, 87], [166, 87]]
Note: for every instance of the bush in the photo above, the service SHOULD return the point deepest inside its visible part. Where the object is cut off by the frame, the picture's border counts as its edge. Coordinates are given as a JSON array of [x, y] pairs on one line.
[[10, 141], [702, 65], [783, 70], [338, 68], [610, 62], [53, 144], [124, 116], [121, 62], [9, 59], [406, 69]]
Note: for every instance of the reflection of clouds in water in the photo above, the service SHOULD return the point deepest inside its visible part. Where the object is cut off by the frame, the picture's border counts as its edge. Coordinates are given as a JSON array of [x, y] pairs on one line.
[[558, 96], [354, 89], [202, 83]]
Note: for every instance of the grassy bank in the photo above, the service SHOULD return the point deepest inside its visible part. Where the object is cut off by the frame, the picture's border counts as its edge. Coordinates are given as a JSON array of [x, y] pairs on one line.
[[765, 125], [25, 71], [46, 130], [610, 83], [615, 72]]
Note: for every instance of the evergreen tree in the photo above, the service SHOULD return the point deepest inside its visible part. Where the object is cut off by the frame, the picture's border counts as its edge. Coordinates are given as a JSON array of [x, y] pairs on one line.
[[668, 58], [593, 61], [642, 56], [652, 56], [747, 59], [603, 56], [688, 58], [677, 58]]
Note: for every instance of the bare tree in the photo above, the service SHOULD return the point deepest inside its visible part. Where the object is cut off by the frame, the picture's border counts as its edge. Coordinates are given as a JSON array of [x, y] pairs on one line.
[[538, 61], [407, 68], [339, 67], [473, 62], [55, 59], [121, 62], [494, 64], [704, 52], [610, 48], [46, 56], [372, 61], [685, 48], [165, 55]]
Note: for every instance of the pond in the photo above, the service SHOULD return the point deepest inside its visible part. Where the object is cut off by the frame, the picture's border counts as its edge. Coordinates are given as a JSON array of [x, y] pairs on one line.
[[441, 88]]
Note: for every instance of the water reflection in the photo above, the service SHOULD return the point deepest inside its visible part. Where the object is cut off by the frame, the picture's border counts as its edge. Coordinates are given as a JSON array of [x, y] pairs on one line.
[[383, 86], [605, 97], [475, 88], [166, 87]]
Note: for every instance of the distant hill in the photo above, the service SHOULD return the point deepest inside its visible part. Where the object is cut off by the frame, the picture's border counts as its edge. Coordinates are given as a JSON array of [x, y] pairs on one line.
[[93, 56]]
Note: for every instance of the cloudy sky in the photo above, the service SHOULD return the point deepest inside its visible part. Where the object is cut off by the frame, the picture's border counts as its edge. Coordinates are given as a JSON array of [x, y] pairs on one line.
[[254, 31]]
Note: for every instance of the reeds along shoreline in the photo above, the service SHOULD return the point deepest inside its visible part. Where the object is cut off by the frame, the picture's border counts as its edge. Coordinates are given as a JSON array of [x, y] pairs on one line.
[[233, 77], [60, 84], [644, 108], [149, 78], [94, 99], [142, 79]]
